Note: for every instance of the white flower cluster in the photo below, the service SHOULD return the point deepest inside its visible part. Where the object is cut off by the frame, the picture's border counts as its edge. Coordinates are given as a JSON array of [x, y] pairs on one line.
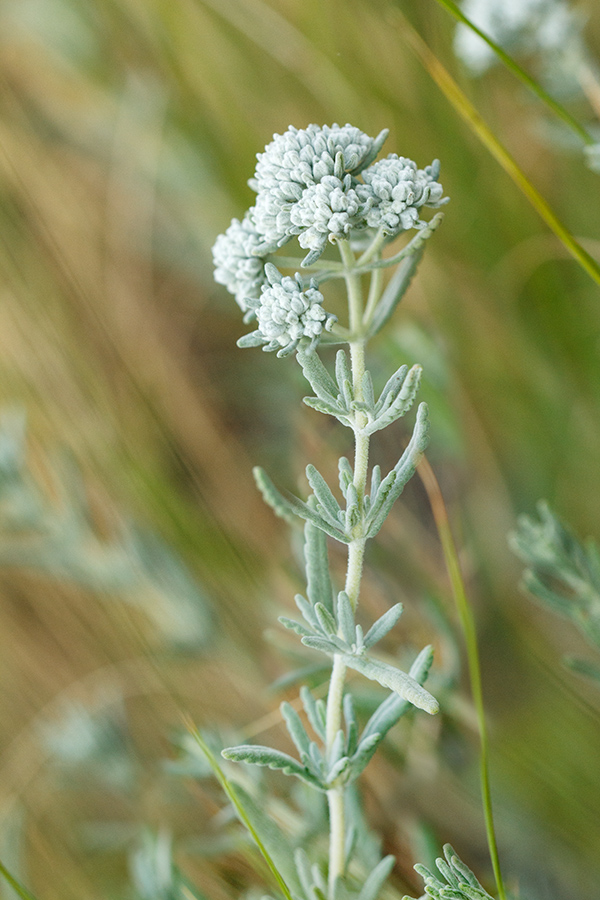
[[320, 184], [286, 314]]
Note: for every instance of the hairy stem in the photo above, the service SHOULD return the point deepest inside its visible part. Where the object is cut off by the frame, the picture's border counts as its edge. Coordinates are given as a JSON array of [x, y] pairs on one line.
[[356, 549]]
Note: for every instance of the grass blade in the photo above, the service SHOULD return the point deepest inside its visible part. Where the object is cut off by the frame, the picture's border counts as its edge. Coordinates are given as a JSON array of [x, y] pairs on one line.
[[557, 108], [467, 111]]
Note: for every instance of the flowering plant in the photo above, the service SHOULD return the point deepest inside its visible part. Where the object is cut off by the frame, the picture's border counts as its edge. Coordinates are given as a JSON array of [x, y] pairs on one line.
[[323, 186]]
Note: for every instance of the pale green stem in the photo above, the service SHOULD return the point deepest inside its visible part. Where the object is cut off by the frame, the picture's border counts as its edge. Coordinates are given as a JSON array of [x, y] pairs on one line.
[[356, 549]]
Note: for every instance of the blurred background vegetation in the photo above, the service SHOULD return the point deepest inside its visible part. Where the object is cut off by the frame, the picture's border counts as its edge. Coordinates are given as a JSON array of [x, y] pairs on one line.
[[128, 131]]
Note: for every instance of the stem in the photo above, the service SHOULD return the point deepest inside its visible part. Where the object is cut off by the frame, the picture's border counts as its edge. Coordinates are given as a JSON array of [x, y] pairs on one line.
[[356, 550], [440, 514]]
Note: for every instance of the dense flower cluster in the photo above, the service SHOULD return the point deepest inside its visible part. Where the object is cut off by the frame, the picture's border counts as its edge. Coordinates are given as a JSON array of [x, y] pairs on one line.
[[320, 184], [286, 313]]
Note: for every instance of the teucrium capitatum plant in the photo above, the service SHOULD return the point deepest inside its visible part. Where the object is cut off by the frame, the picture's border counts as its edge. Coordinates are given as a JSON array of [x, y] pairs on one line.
[[322, 184]]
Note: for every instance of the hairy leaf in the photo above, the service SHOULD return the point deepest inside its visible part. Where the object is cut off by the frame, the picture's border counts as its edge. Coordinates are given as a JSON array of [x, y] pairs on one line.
[[384, 624]]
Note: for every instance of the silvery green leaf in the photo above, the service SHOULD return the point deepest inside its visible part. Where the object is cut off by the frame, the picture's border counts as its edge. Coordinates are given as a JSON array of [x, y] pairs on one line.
[[391, 389], [346, 474], [363, 755], [359, 639], [344, 377], [394, 707], [303, 868], [256, 755], [461, 883], [400, 405], [295, 728], [326, 620], [287, 507], [318, 377], [294, 626], [375, 482], [329, 645], [394, 679], [323, 493], [254, 339], [271, 495], [351, 724], [307, 611], [393, 484], [394, 292], [316, 559], [384, 624], [345, 617], [376, 879], [313, 713], [367, 389], [338, 772], [353, 513], [316, 758], [328, 409]]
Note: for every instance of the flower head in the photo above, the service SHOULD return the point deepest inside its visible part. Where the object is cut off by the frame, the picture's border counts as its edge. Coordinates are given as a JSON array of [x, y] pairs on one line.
[[394, 190], [287, 314], [237, 264]]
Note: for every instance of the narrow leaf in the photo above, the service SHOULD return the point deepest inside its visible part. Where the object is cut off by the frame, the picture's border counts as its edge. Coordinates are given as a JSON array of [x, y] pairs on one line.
[[318, 377], [325, 619], [312, 713], [343, 377], [394, 292], [376, 879], [323, 493], [384, 624], [394, 483], [325, 645], [294, 626], [391, 389], [394, 707], [345, 617], [295, 728], [256, 755], [316, 559], [394, 679], [271, 495]]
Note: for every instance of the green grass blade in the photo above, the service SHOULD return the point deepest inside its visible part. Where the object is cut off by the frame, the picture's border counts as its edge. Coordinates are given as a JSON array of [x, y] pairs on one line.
[[233, 797], [467, 621], [557, 108], [467, 111], [15, 885]]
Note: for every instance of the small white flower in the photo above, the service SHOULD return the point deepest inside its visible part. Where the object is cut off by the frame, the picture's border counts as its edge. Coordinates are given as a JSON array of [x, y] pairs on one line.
[[394, 190], [237, 265], [287, 314], [327, 211]]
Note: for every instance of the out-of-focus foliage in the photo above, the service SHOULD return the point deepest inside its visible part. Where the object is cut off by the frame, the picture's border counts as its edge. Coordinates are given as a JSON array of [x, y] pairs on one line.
[[127, 133]]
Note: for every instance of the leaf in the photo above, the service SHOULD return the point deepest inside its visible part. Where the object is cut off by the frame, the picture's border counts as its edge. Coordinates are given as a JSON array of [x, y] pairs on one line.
[[394, 679], [318, 377], [312, 712], [316, 559], [346, 474], [394, 292], [400, 404], [344, 377], [345, 617], [394, 707], [326, 621], [363, 755], [376, 879], [328, 409], [271, 495], [329, 645], [295, 728], [391, 389], [257, 755], [393, 484], [351, 724], [307, 611], [383, 625], [294, 626], [290, 506], [323, 493]]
